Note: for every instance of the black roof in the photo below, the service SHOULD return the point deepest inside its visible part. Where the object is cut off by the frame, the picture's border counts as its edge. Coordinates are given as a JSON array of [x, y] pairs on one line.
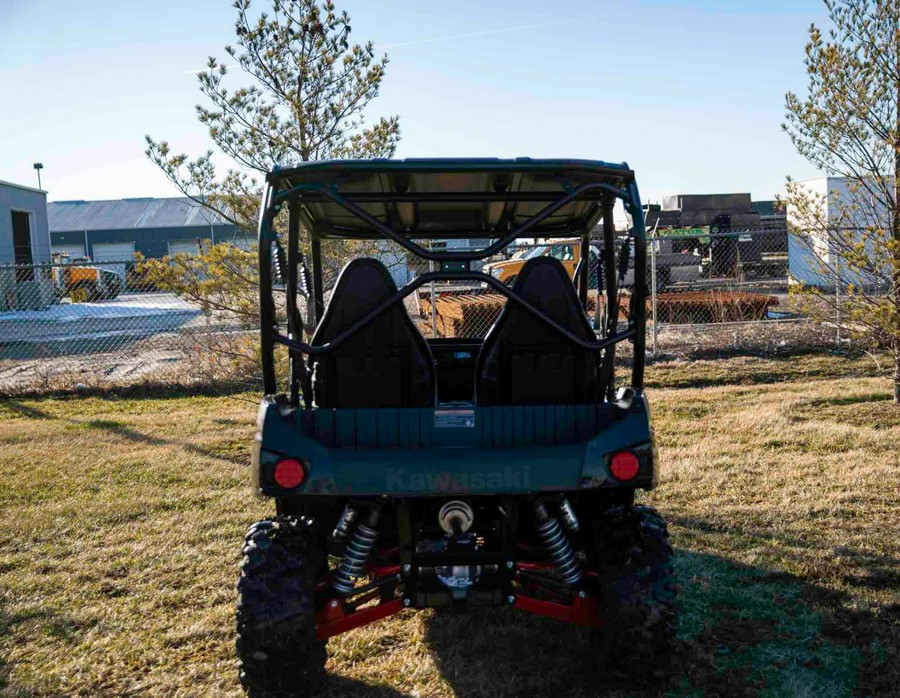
[[451, 197]]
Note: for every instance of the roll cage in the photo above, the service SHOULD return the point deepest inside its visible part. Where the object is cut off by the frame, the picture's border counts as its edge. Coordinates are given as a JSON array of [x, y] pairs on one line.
[[439, 199]]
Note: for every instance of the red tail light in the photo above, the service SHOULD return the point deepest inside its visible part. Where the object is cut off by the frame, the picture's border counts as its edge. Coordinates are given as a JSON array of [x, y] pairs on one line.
[[624, 465], [289, 473]]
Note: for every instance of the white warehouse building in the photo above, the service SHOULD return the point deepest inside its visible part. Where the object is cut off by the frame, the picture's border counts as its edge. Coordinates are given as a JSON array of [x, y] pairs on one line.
[[811, 259]]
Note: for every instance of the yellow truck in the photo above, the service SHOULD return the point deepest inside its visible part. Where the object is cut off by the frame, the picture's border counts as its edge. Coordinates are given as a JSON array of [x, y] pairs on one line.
[[567, 251], [675, 262], [82, 283]]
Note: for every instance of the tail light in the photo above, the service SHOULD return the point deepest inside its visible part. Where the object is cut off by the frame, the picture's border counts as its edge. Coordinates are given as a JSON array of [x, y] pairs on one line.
[[624, 465], [289, 473]]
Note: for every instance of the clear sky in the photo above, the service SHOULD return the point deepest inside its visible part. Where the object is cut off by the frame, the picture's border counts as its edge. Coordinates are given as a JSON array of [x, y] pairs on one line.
[[689, 92]]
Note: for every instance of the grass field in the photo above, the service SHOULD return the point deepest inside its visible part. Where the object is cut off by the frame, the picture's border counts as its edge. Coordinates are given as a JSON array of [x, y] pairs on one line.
[[121, 520]]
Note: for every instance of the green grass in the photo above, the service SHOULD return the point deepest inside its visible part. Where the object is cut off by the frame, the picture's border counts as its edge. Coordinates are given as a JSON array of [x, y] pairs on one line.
[[121, 521]]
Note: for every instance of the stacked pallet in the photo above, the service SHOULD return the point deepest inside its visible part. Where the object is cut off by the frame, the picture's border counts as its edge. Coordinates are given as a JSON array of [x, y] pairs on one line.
[[463, 314], [467, 314], [471, 313], [702, 307]]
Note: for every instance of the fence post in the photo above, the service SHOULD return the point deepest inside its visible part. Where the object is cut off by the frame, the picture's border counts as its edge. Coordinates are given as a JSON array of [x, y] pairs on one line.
[[837, 300], [653, 244]]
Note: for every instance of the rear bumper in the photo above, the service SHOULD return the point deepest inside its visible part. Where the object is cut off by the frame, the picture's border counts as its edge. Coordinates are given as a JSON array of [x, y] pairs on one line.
[[428, 452]]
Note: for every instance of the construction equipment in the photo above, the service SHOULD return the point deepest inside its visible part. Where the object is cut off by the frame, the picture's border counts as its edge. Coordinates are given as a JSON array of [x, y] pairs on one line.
[[83, 282]]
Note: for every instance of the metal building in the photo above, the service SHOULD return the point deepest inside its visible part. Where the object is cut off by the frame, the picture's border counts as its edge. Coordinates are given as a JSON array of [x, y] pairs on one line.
[[24, 242], [24, 237], [113, 231], [847, 209]]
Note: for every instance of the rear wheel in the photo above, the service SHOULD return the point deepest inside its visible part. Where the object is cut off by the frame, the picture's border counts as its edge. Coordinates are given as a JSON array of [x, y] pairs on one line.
[[277, 648], [630, 550], [81, 294]]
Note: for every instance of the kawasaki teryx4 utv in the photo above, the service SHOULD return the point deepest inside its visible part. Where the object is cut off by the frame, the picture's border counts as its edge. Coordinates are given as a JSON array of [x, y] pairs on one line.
[[419, 473]]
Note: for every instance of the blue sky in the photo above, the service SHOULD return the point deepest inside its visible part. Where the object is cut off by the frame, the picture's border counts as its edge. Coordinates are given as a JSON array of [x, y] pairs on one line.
[[690, 94]]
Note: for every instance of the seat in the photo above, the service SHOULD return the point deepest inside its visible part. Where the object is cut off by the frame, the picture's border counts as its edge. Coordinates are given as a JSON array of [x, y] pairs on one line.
[[523, 360], [387, 363]]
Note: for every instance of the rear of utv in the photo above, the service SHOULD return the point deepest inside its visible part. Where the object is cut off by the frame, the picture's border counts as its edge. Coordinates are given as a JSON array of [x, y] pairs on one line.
[[420, 473]]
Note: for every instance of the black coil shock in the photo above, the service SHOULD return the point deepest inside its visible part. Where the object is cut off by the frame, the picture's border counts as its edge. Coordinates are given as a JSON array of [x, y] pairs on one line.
[[558, 547], [357, 553]]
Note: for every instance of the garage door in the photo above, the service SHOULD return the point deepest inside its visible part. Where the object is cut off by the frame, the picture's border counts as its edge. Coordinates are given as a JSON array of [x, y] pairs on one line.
[[113, 252], [183, 247], [72, 251]]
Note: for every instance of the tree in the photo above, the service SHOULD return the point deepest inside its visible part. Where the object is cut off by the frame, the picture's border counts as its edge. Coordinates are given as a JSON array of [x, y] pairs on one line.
[[848, 126], [307, 101]]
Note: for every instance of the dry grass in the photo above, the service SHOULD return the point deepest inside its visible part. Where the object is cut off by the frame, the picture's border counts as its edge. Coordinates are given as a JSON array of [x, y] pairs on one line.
[[122, 518]]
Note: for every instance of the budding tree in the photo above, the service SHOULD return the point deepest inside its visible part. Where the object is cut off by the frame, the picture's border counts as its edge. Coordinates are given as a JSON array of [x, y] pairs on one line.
[[306, 97], [848, 126], [308, 93]]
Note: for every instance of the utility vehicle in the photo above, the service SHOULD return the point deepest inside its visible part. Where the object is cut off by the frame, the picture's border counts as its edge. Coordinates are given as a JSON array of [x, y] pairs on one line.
[[448, 472], [566, 251], [672, 265], [82, 282]]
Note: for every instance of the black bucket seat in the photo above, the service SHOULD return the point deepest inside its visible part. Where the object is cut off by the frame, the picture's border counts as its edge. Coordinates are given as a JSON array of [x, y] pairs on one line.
[[523, 360], [387, 363]]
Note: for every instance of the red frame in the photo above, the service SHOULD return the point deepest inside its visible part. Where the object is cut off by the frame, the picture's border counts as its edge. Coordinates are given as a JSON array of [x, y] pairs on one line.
[[333, 619], [584, 611]]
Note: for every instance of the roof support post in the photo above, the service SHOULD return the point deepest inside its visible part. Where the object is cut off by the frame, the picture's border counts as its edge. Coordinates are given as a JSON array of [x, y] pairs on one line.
[[295, 322], [638, 308], [267, 329], [607, 370], [315, 246]]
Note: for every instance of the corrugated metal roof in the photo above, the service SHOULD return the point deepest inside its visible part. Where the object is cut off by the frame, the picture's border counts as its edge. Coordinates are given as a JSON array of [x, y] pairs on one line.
[[129, 213]]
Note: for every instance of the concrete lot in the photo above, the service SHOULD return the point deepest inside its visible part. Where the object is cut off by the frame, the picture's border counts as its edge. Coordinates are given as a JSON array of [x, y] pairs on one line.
[[78, 328]]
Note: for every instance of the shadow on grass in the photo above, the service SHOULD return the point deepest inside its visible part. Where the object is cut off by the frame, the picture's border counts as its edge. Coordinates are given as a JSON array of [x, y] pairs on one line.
[[866, 569], [145, 391], [26, 411], [124, 431], [779, 369], [849, 400], [742, 631], [46, 622], [341, 687], [714, 353]]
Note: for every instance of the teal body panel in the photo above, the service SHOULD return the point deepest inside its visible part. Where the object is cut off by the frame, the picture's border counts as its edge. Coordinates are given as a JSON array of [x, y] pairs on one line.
[[455, 449]]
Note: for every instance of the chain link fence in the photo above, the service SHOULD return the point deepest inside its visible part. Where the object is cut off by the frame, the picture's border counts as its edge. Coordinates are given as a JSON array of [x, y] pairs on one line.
[[64, 326], [100, 324], [720, 290], [715, 291]]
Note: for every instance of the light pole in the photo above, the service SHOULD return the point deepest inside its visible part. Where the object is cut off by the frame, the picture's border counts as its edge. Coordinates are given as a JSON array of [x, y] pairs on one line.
[[39, 166]]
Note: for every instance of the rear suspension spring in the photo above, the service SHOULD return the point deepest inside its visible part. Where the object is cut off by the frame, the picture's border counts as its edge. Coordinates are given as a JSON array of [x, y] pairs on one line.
[[557, 545], [353, 564]]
